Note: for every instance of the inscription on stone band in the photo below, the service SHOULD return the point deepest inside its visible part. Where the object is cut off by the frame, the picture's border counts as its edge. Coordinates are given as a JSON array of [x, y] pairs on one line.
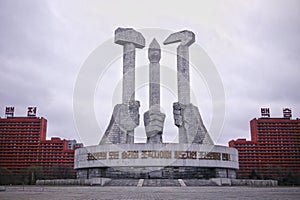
[[97, 156], [113, 155], [157, 154], [130, 154], [186, 154]]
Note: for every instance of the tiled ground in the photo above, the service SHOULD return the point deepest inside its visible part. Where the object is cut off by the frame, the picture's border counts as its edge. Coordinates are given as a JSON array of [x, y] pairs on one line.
[[63, 193]]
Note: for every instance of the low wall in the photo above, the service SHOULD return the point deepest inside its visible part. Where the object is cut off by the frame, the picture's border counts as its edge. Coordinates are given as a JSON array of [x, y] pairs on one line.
[[221, 181], [212, 181], [2, 188], [255, 183], [92, 181], [244, 182]]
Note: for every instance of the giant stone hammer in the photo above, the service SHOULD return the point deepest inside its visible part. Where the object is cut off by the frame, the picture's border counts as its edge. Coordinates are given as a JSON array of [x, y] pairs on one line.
[[130, 39], [183, 75]]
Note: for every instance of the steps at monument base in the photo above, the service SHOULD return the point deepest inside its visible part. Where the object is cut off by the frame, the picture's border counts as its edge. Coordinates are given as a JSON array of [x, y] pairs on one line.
[[161, 183], [123, 182], [198, 182]]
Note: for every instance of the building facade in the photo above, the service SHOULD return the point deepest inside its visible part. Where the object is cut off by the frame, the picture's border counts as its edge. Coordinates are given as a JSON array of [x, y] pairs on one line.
[[274, 149], [25, 151]]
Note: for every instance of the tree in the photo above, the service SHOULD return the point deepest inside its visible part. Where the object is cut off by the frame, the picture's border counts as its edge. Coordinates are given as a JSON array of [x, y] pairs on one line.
[[34, 173], [253, 174], [6, 176], [62, 172]]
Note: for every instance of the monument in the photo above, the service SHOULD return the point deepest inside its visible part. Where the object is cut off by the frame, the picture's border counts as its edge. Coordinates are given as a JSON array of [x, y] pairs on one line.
[[154, 119], [126, 115], [186, 115], [117, 156]]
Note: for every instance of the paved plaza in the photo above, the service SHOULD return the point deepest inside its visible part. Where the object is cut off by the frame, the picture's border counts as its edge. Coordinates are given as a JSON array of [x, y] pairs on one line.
[[47, 193]]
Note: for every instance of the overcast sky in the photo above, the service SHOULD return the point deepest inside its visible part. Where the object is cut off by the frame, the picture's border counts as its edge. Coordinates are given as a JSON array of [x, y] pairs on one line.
[[254, 46]]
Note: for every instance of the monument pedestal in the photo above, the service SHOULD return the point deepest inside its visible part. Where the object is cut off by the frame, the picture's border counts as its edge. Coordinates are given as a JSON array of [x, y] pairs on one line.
[[156, 161]]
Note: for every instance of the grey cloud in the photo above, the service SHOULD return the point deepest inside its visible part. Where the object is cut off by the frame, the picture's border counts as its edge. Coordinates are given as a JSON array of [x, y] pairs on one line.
[[254, 44]]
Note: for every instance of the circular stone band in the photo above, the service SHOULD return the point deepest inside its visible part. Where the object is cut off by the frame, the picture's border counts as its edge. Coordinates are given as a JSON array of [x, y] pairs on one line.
[[141, 160]]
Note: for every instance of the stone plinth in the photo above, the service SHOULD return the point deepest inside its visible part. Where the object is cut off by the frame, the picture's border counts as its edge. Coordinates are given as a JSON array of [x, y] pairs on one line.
[[156, 161]]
